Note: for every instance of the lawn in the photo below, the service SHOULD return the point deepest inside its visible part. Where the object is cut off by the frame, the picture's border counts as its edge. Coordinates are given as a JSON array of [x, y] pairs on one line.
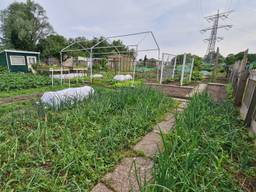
[[71, 149], [209, 150]]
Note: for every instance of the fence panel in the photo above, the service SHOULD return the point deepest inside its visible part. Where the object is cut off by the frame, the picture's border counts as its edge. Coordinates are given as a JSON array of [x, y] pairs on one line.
[[240, 87], [253, 123], [248, 107]]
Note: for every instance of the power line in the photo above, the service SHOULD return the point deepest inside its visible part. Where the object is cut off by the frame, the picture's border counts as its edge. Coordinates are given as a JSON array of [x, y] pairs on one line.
[[214, 30]]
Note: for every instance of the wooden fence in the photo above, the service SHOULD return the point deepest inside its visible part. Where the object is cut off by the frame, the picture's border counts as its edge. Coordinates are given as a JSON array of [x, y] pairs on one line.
[[244, 86]]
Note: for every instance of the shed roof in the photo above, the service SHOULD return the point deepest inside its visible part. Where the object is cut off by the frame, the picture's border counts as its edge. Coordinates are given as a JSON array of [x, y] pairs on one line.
[[19, 51]]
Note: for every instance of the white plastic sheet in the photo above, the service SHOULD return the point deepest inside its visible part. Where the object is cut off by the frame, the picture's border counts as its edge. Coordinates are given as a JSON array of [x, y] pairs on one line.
[[68, 76], [70, 96], [122, 77], [97, 76]]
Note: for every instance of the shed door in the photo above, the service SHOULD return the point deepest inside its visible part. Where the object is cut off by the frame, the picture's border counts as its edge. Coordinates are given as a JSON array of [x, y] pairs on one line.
[[31, 60]]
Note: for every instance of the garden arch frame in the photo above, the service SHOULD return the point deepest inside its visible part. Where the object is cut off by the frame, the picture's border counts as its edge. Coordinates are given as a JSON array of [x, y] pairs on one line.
[[90, 50]]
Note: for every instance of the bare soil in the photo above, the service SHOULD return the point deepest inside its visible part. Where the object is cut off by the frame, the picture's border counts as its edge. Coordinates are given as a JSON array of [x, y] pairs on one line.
[[20, 98]]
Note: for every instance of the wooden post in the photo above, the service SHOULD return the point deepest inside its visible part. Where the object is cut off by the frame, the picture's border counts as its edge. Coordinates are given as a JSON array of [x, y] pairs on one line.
[[242, 79], [241, 84], [244, 62], [251, 109]]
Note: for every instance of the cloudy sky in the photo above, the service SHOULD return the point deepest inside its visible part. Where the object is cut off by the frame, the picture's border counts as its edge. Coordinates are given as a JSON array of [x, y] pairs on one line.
[[175, 23]]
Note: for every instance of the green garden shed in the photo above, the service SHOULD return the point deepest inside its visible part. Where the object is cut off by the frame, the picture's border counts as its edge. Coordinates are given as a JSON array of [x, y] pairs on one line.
[[18, 61]]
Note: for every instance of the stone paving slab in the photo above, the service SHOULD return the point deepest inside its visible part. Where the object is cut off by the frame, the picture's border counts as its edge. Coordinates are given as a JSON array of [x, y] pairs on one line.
[[149, 145], [124, 177], [165, 126], [100, 187], [198, 89]]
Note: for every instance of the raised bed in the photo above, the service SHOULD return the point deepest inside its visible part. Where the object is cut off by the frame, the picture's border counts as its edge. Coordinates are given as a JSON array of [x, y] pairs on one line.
[[173, 90], [217, 91]]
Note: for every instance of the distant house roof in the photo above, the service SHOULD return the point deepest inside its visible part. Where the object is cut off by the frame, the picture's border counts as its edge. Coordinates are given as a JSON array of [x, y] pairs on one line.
[[19, 51]]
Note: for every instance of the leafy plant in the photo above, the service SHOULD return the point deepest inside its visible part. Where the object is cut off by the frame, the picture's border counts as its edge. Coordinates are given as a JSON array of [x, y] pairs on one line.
[[129, 83], [15, 81], [197, 76], [3, 70]]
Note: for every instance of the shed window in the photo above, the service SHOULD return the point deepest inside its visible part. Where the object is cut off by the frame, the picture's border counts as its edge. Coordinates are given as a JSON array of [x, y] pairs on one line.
[[31, 60], [17, 60]]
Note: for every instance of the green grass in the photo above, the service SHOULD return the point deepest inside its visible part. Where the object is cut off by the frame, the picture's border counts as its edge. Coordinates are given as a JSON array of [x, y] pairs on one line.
[[71, 149], [210, 150]]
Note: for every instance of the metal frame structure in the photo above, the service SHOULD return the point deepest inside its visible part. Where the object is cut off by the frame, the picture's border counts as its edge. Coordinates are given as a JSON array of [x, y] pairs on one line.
[[183, 69], [166, 59], [164, 62], [107, 39]]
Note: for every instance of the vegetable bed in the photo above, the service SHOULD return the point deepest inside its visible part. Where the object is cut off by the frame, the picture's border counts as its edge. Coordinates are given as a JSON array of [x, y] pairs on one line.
[[210, 150], [71, 149], [15, 81]]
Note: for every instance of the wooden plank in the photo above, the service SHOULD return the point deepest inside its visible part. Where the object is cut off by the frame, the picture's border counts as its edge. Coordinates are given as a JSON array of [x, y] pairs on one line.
[[241, 84], [251, 109]]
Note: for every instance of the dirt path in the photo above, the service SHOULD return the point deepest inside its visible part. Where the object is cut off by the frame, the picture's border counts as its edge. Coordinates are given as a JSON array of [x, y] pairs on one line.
[[9, 100]]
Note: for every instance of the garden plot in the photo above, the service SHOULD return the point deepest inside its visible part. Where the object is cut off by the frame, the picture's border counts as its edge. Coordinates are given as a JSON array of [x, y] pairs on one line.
[[173, 90], [210, 150], [17, 81], [71, 149]]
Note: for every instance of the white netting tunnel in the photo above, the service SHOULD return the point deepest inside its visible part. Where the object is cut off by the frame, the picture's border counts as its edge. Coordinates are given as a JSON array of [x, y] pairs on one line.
[[66, 96]]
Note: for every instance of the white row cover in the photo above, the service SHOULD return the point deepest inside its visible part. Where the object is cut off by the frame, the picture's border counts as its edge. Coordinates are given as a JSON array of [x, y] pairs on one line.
[[68, 76], [70, 95], [122, 77], [97, 76]]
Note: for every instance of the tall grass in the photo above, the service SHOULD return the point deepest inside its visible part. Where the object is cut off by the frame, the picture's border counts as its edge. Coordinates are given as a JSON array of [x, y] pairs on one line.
[[71, 149], [210, 150]]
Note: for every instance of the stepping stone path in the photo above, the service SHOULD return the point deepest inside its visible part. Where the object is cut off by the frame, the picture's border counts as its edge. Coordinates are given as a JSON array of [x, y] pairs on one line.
[[133, 172]]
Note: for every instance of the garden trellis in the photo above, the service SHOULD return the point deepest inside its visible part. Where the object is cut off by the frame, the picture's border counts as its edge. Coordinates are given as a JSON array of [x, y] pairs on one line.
[[187, 69], [168, 65], [133, 50], [176, 67]]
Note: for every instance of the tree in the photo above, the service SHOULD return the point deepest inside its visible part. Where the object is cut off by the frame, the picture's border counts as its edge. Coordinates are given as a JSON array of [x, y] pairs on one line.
[[23, 25], [230, 59], [51, 46]]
